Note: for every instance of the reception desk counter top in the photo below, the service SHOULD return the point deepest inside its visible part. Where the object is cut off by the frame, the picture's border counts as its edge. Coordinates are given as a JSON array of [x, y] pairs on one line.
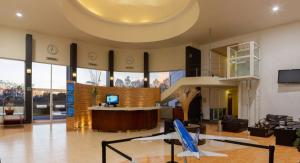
[[127, 108]]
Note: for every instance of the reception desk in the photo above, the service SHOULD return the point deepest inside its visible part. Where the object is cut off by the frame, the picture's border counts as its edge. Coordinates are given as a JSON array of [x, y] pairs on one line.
[[113, 119]]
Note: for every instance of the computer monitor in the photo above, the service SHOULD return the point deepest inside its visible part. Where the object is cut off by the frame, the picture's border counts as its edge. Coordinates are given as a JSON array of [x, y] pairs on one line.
[[112, 99]]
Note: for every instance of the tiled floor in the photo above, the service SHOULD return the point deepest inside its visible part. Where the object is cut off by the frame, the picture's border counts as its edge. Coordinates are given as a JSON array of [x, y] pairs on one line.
[[45, 143]]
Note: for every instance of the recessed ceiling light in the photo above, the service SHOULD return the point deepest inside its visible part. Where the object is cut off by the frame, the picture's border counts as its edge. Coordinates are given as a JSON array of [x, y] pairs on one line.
[[18, 14], [275, 8]]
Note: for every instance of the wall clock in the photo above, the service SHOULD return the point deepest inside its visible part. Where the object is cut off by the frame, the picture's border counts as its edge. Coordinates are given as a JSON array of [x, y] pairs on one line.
[[92, 56], [52, 49], [130, 60]]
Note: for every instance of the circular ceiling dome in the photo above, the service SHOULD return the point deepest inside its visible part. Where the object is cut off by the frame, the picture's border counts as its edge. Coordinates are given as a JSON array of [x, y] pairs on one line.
[[132, 21], [135, 11]]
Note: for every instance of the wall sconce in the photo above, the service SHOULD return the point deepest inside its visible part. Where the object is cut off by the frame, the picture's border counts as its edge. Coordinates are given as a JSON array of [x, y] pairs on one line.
[[28, 71], [145, 79], [74, 74], [111, 78]]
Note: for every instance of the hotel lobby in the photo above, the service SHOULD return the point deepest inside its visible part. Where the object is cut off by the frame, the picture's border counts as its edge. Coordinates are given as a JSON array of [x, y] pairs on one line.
[[149, 81]]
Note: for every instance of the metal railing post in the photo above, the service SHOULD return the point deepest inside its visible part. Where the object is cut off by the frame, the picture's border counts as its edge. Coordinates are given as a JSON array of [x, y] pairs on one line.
[[271, 153], [172, 141], [103, 151]]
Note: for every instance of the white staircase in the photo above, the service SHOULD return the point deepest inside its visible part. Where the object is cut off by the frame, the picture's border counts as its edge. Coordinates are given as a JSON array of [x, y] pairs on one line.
[[187, 84]]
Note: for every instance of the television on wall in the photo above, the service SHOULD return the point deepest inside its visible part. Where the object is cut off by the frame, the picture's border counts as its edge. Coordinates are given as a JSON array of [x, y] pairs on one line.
[[289, 76], [112, 99]]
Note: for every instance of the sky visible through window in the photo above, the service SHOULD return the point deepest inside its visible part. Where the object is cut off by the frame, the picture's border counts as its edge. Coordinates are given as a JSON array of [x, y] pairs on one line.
[[41, 76], [12, 82], [12, 71], [91, 76], [129, 79]]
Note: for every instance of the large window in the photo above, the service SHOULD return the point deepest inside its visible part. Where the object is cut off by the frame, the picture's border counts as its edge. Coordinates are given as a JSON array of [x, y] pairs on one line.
[[164, 80], [91, 76], [12, 84], [129, 79], [48, 80]]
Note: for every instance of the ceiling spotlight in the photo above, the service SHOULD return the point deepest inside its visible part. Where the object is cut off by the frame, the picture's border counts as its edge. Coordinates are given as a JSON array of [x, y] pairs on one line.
[[275, 8], [18, 14]]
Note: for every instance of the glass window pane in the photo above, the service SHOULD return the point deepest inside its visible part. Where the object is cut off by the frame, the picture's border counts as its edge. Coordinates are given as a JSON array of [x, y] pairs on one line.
[[12, 84], [243, 67], [129, 79], [59, 77], [164, 80], [91, 76], [160, 80], [256, 67], [176, 75], [41, 75]]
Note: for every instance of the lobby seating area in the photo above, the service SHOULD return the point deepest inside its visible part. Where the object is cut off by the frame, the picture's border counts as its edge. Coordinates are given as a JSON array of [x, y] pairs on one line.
[[149, 81], [283, 127], [232, 124]]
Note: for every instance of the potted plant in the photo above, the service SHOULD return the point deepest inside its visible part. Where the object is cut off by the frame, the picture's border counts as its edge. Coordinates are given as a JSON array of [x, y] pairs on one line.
[[297, 141], [9, 110], [95, 80], [94, 93]]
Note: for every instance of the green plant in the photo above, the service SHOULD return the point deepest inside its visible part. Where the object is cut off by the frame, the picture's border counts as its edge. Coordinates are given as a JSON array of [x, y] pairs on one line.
[[95, 91], [297, 141]]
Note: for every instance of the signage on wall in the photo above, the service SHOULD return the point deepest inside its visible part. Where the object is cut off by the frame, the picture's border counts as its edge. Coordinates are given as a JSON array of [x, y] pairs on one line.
[[92, 57], [129, 62], [70, 99]]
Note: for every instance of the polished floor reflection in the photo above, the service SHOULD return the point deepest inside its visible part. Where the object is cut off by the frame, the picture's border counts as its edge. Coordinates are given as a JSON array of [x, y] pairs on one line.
[[46, 143]]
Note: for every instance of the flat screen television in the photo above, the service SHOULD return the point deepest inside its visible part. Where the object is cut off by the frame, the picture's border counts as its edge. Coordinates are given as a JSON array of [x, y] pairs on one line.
[[112, 99], [289, 76]]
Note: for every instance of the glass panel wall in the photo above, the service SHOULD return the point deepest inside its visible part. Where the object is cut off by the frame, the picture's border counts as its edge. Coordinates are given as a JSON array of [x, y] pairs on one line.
[[164, 80], [243, 60], [49, 91], [160, 80], [59, 80], [129, 79], [12, 85], [91, 76], [41, 83]]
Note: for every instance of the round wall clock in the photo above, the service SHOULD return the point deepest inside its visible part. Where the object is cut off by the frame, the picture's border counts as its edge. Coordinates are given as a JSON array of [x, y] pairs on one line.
[[130, 60], [52, 49], [92, 56]]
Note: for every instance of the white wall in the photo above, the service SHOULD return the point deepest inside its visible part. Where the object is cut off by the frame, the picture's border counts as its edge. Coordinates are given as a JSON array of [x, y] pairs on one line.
[[12, 43], [41, 42], [165, 59], [12, 46], [280, 49], [92, 56]]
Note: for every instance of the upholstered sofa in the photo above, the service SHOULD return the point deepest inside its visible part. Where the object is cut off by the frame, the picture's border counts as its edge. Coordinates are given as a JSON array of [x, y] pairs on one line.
[[232, 124]]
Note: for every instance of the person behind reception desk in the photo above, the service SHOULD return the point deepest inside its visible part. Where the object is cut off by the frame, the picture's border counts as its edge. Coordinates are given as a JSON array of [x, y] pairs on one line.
[[112, 100]]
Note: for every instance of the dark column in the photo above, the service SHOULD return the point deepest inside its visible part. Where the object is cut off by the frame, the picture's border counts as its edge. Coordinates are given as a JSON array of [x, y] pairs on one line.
[[111, 67], [146, 69], [72, 70], [28, 80], [193, 62]]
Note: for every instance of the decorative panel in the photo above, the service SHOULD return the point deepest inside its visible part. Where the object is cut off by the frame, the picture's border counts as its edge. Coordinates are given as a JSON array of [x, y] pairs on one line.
[[129, 97]]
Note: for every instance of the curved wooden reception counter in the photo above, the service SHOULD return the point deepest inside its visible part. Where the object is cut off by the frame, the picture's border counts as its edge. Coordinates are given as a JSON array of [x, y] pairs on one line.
[[112, 119]]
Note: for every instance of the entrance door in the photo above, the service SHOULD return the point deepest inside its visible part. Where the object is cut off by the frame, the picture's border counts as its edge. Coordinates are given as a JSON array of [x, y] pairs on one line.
[[49, 91]]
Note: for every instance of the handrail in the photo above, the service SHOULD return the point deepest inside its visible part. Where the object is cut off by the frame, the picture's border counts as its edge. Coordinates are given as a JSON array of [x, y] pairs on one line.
[[105, 144]]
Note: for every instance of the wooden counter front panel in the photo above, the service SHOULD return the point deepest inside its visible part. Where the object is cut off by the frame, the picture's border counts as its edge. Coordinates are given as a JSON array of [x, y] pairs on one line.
[[129, 97], [112, 121]]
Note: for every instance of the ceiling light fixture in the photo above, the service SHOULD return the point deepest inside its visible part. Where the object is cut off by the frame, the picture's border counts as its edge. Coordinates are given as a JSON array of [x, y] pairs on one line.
[[18, 14], [275, 8]]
